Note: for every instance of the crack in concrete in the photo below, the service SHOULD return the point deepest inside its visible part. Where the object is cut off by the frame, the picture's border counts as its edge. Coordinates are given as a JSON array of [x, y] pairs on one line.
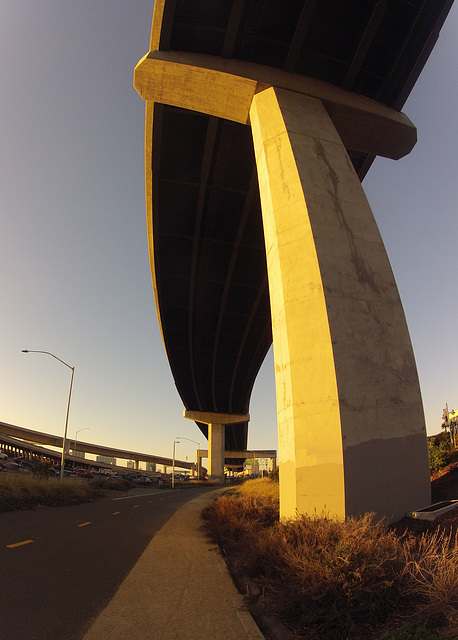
[[357, 259]]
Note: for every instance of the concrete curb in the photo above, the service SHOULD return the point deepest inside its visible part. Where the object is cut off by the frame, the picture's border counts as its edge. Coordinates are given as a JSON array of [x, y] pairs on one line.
[[180, 587]]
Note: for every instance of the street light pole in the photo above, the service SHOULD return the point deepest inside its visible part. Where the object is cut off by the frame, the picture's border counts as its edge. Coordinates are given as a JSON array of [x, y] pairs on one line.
[[77, 432], [64, 441], [173, 463], [198, 459]]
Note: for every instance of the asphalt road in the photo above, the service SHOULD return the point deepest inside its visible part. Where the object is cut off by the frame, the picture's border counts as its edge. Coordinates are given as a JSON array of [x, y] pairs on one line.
[[60, 566]]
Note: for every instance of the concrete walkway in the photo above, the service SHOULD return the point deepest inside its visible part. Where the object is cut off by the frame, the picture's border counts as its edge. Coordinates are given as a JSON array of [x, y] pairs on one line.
[[179, 588]]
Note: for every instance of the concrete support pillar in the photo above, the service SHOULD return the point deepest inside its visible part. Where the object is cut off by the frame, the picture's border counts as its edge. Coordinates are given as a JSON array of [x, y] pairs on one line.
[[351, 425], [216, 451], [198, 465], [216, 437], [164, 468]]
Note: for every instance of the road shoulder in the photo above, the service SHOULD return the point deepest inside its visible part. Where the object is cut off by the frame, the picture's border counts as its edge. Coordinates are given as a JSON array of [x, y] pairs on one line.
[[180, 587]]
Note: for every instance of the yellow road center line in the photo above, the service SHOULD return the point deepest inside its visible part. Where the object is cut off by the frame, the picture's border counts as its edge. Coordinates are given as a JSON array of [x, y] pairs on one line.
[[136, 506], [18, 544], [84, 524], [116, 513]]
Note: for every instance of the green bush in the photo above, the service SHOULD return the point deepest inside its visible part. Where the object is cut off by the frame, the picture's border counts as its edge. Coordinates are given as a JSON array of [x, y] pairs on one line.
[[440, 454]]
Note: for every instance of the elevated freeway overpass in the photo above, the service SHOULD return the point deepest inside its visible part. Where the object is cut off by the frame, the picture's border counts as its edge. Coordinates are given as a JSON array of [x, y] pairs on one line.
[[262, 118], [37, 437], [23, 439]]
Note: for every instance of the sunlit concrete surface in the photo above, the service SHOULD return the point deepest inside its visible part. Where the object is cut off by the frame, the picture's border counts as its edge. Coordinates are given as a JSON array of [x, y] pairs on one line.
[[341, 345]]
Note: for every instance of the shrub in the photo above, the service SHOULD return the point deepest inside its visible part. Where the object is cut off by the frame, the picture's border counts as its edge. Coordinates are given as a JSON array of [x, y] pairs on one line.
[[335, 576], [412, 631], [42, 469], [28, 491], [274, 475], [439, 455], [231, 518], [259, 488], [325, 578], [116, 484], [431, 564]]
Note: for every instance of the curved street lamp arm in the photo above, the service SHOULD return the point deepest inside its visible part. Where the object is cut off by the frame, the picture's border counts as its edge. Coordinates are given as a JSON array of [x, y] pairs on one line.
[[183, 438], [64, 440], [49, 354]]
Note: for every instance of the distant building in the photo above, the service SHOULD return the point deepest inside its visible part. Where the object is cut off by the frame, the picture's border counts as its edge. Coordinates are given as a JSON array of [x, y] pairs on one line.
[[78, 454], [450, 423], [251, 467], [106, 460]]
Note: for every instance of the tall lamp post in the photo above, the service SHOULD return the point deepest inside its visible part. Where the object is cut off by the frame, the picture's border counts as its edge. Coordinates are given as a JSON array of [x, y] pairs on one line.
[[77, 432], [64, 441], [198, 459], [173, 463]]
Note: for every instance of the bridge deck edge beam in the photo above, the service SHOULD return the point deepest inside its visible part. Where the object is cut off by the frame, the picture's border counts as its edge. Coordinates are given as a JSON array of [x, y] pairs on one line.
[[226, 88]]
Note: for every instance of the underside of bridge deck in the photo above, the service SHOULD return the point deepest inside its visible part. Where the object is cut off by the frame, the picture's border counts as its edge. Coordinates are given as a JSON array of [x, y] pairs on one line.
[[206, 238], [209, 261]]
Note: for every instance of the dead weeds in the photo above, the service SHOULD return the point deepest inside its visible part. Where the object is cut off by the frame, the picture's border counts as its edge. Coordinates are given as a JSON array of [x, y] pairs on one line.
[[320, 578]]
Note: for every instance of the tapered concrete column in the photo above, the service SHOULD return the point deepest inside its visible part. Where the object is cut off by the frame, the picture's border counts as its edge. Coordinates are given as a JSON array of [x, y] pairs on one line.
[[351, 425], [216, 437]]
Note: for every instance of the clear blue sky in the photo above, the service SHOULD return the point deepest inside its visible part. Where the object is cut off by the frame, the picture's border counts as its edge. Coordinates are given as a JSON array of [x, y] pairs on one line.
[[74, 270]]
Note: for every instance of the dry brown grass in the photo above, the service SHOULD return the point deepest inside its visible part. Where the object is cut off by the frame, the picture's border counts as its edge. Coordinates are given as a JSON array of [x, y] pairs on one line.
[[28, 491], [333, 577], [232, 518], [324, 578], [431, 565], [260, 488]]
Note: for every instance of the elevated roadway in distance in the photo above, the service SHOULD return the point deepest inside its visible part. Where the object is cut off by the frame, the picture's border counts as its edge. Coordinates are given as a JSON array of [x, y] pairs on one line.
[[210, 66], [37, 437]]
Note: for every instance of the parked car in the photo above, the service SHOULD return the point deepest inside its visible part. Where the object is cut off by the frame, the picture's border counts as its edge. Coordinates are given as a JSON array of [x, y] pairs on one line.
[[3, 455], [55, 471], [25, 465], [82, 472], [145, 480], [11, 466]]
